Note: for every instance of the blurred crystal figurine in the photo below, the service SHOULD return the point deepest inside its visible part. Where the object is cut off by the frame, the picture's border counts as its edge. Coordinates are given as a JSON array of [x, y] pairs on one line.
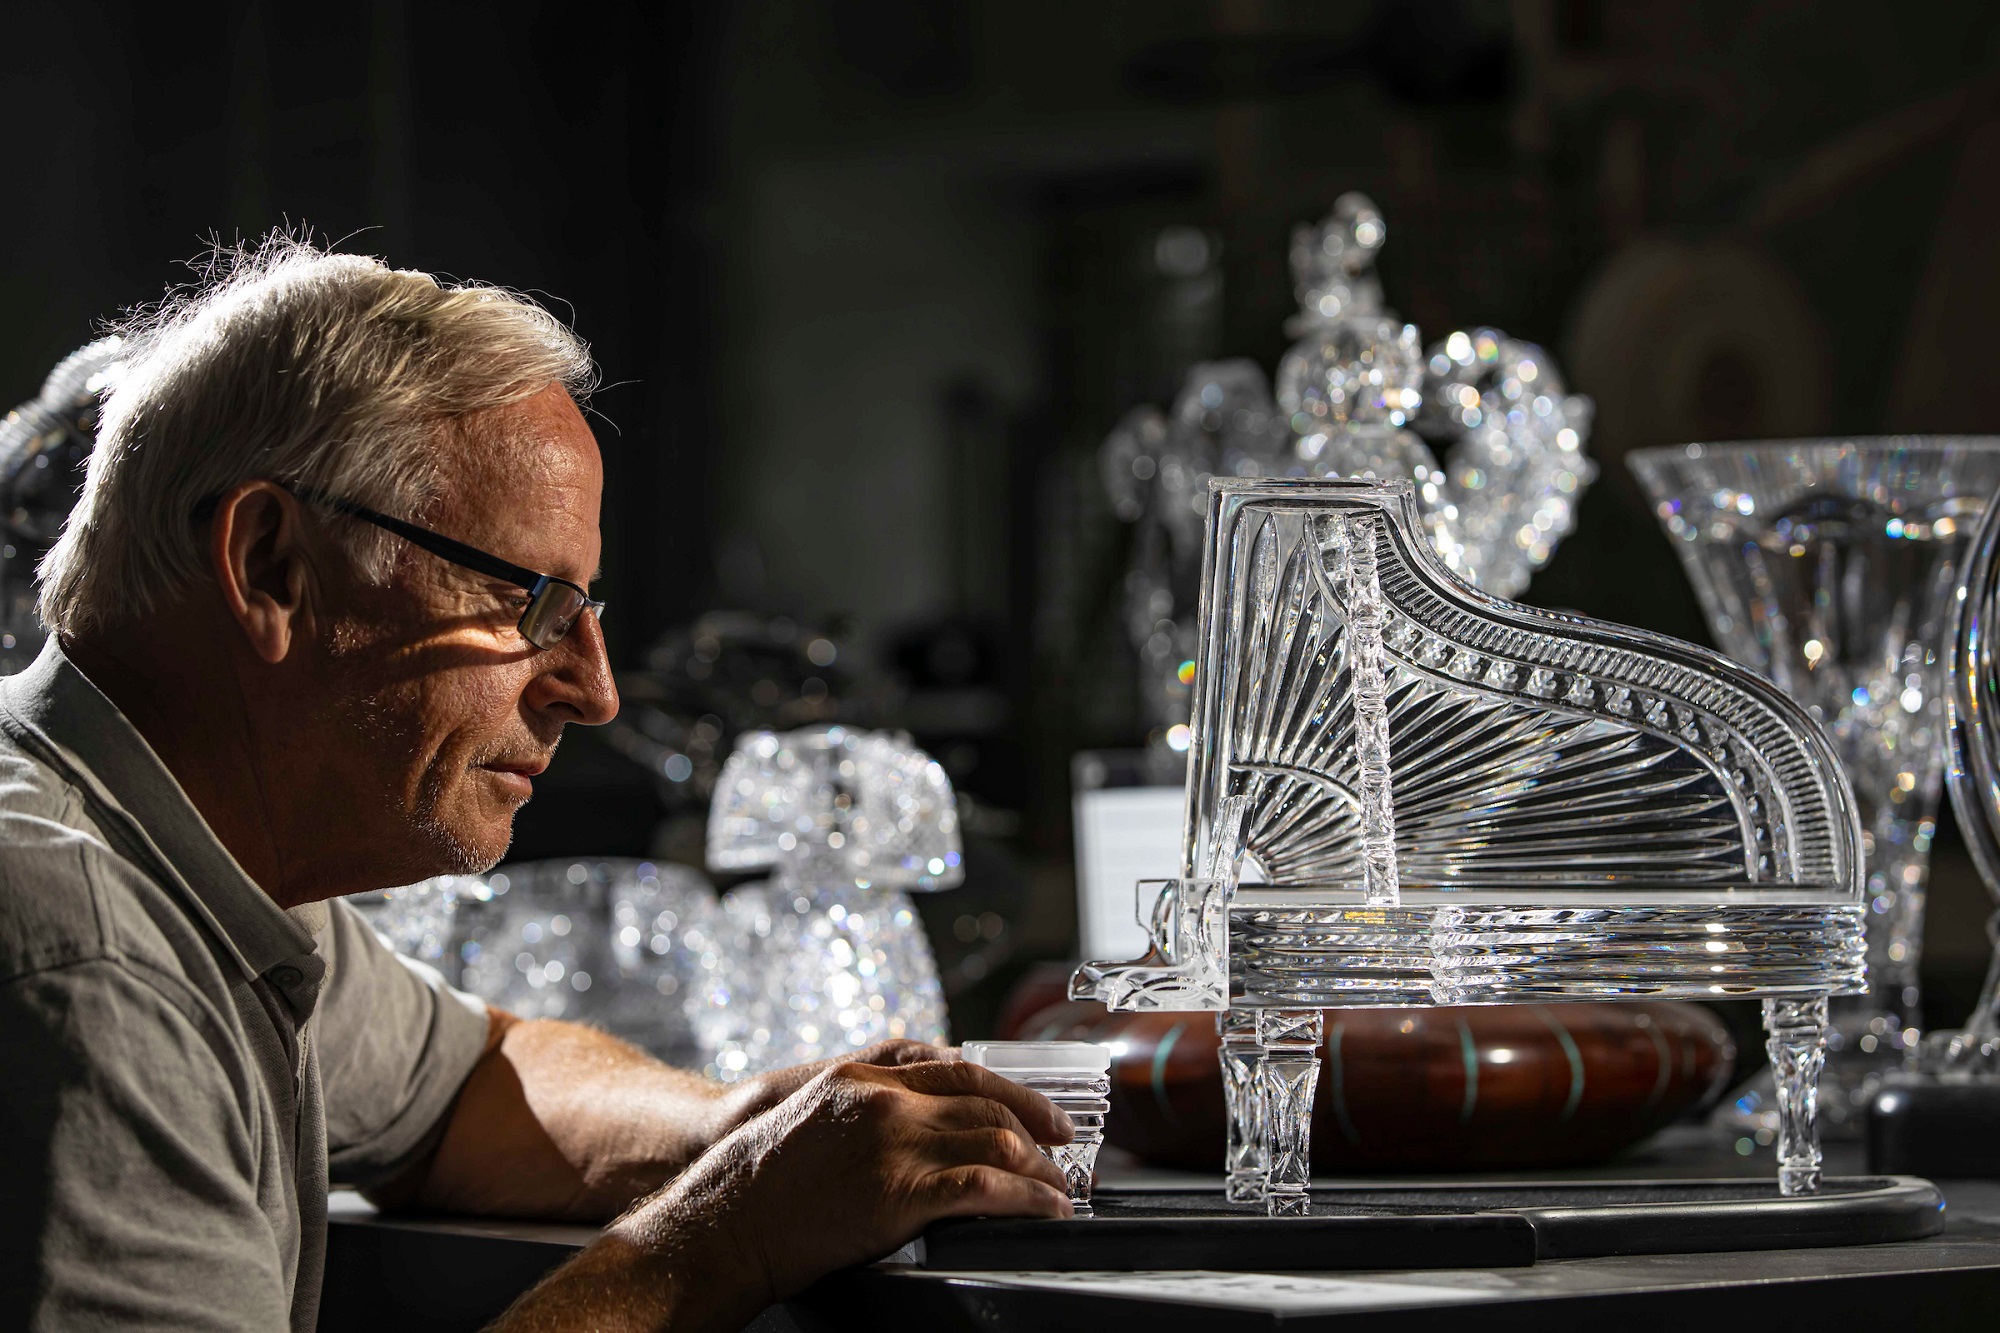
[[1357, 395], [1406, 791], [1830, 567], [44, 445], [828, 954], [1155, 469], [601, 941], [1353, 381], [1971, 700]]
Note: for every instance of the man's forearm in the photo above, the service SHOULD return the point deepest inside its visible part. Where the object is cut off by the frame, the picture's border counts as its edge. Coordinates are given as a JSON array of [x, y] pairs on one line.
[[560, 1120], [666, 1266], [856, 1161]]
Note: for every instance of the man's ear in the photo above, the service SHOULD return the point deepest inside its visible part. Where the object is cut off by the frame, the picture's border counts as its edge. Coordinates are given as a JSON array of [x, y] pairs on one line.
[[260, 553]]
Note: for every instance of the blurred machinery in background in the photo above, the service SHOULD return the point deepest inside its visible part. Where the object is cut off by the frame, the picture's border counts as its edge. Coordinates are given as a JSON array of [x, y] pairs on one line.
[[44, 446]]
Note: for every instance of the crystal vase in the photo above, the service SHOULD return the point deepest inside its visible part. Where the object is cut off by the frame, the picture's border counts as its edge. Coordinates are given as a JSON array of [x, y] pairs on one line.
[[1829, 566]]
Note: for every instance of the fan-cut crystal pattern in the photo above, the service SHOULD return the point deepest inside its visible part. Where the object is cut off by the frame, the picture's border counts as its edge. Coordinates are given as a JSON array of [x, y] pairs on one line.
[[1412, 792]]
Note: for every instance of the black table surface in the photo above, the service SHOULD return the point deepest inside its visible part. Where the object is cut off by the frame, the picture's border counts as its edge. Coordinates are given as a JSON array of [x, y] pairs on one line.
[[388, 1273]]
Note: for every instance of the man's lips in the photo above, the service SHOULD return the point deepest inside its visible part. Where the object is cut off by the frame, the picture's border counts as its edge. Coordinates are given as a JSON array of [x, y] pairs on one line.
[[518, 776], [527, 768]]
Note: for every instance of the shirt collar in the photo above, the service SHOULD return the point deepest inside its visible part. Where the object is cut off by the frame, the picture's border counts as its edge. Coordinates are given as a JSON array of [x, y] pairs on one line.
[[107, 754]]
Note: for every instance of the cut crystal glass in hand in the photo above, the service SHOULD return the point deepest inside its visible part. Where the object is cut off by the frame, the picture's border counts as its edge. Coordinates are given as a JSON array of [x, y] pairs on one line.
[[1411, 792], [1076, 1076], [1830, 566]]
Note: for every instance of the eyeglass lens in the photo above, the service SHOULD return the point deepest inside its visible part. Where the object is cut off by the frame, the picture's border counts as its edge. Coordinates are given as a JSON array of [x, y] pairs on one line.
[[552, 614]]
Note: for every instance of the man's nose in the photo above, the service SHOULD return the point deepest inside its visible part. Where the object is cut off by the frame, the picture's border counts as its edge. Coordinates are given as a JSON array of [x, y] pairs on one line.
[[577, 680]]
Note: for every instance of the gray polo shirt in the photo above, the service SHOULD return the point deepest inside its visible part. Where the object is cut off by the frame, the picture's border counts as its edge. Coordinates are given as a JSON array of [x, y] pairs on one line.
[[183, 1065]]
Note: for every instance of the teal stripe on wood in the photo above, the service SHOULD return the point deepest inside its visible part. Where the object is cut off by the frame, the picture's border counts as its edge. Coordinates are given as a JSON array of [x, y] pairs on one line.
[[1469, 1052], [1575, 1061], [1160, 1054], [1666, 1073]]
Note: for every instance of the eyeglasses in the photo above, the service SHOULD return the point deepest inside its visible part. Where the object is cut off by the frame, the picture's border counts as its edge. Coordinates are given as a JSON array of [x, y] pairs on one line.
[[554, 605]]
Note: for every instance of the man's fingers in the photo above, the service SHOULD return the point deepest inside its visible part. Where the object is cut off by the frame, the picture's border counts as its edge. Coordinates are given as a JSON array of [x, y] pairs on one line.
[[989, 1191], [996, 1147], [973, 1113], [1044, 1122], [902, 1051]]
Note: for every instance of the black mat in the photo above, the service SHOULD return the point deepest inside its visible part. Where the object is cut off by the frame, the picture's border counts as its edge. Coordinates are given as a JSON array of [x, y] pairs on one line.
[[1438, 1226]]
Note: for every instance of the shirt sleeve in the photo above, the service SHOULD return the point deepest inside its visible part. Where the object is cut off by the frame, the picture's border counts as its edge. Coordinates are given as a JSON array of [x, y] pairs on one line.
[[395, 1045], [125, 1135]]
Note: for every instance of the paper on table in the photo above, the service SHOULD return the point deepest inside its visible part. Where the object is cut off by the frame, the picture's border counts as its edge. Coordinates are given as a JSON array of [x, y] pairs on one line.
[[1293, 1293]]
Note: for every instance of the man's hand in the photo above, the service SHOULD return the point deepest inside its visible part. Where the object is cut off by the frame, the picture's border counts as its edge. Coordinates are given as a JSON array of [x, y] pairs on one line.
[[755, 1095], [853, 1164], [863, 1157]]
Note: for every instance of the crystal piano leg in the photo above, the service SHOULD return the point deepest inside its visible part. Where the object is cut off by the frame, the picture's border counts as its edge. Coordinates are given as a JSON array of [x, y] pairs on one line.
[[1290, 1040], [1797, 1044], [1246, 1161]]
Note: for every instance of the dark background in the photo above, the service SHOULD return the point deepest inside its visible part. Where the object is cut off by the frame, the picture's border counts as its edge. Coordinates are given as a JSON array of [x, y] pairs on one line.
[[870, 280]]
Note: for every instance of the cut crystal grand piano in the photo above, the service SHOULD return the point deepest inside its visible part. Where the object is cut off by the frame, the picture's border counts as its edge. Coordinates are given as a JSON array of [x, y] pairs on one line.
[[1405, 791]]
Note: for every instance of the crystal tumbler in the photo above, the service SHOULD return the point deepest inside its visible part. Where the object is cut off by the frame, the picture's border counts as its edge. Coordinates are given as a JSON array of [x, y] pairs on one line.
[[1829, 566], [1076, 1076]]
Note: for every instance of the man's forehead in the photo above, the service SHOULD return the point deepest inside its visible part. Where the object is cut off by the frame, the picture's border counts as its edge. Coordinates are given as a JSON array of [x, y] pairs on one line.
[[527, 477]]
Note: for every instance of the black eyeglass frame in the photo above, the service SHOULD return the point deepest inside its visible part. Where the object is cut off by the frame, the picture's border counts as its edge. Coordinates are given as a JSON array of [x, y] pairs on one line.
[[554, 604]]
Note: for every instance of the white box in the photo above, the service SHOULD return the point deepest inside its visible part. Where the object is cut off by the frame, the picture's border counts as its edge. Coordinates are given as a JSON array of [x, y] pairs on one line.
[[1123, 835]]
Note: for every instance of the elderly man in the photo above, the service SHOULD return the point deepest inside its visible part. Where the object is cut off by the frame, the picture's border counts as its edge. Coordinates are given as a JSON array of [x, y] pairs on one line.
[[319, 618]]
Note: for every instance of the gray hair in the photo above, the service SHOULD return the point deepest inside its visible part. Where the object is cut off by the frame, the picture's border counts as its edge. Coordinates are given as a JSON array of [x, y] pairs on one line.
[[324, 371]]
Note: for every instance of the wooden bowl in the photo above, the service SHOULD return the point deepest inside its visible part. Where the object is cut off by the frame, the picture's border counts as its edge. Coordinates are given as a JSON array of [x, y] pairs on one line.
[[1421, 1089]]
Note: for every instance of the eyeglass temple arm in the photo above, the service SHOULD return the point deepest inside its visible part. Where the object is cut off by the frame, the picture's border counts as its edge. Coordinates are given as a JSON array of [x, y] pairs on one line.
[[438, 544]]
